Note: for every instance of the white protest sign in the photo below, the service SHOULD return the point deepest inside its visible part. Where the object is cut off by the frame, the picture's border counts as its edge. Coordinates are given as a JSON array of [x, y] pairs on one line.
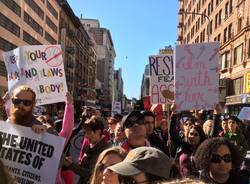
[[197, 76], [117, 107], [40, 67], [244, 113], [161, 79], [32, 158]]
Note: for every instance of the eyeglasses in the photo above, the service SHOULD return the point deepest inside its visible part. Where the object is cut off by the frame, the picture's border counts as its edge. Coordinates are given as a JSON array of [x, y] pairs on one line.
[[217, 158], [130, 123], [17, 101]]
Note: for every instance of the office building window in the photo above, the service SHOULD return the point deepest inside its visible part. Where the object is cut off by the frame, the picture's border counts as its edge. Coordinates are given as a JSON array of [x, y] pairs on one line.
[[218, 39], [30, 21], [52, 10], [216, 21], [238, 86], [238, 56], [51, 24], [230, 6], [29, 39], [239, 24], [230, 31], [226, 9], [6, 45], [11, 4], [212, 5], [225, 60], [3, 71], [220, 16], [9, 25], [225, 35], [49, 38], [32, 4]]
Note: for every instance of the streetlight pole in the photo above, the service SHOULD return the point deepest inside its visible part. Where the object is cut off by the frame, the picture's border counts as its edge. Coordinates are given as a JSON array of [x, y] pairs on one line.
[[201, 14]]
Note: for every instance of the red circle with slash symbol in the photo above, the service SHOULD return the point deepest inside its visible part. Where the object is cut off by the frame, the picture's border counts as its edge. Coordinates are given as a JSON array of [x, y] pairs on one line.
[[53, 54]]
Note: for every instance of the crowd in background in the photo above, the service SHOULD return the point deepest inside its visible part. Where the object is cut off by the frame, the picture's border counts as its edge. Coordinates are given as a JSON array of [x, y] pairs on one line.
[[183, 147]]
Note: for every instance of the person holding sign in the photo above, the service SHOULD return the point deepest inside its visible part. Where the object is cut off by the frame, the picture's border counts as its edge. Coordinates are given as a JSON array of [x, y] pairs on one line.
[[23, 100]]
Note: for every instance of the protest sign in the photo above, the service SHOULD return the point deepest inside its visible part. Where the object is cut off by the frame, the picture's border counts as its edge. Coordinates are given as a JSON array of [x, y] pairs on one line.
[[244, 113], [117, 107], [197, 76], [161, 79], [31, 158], [40, 67]]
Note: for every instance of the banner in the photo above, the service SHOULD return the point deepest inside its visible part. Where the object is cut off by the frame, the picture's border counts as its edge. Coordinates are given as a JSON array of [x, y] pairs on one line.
[[161, 79], [247, 82], [197, 76], [41, 68], [30, 157]]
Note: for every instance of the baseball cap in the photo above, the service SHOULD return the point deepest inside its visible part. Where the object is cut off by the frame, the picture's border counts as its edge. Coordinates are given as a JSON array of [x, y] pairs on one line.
[[125, 119], [144, 159]]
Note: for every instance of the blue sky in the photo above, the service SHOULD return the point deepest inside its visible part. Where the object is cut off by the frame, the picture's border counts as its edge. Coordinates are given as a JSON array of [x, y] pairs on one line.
[[139, 28]]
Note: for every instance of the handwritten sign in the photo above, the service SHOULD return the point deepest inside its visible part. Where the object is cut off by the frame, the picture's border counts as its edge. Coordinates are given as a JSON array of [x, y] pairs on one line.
[[161, 79], [40, 67], [31, 158], [196, 76], [244, 113]]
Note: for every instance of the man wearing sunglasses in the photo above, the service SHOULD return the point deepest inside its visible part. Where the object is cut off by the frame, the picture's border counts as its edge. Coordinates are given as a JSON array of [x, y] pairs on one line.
[[135, 131], [23, 101]]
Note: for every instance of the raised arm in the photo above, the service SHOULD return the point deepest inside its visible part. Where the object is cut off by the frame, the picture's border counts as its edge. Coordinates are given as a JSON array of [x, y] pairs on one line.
[[68, 119]]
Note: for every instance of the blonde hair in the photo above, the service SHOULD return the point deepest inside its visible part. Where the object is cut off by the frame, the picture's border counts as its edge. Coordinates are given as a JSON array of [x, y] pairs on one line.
[[24, 88], [114, 150]]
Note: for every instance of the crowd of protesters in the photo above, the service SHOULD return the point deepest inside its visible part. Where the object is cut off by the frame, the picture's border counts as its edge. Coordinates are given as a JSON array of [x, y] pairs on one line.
[[183, 147]]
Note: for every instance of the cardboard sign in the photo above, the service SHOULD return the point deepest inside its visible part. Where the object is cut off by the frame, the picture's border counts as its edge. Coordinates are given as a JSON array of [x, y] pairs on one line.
[[31, 158], [41, 68], [161, 79], [196, 76]]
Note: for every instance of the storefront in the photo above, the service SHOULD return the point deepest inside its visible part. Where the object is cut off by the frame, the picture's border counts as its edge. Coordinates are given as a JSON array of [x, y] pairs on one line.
[[235, 103]]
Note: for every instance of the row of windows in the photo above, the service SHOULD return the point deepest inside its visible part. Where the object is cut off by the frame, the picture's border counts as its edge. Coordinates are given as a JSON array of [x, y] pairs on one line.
[[35, 8], [29, 39], [237, 56], [49, 38], [6, 23], [11, 4], [52, 10], [218, 16], [3, 71], [51, 24], [6, 45], [30, 21]]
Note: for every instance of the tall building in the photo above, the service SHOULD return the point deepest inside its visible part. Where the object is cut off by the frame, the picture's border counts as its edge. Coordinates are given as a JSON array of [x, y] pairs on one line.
[[26, 22], [227, 22], [105, 59], [145, 82], [79, 57], [118, 85]]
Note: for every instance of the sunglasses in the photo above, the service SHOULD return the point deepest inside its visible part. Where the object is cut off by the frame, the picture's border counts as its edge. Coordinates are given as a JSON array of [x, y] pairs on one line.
[[17, 101], [217, 158], [130, 123]]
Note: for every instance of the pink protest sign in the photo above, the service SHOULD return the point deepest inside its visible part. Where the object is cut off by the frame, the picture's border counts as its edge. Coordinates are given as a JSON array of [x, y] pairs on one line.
[[196, 76]]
